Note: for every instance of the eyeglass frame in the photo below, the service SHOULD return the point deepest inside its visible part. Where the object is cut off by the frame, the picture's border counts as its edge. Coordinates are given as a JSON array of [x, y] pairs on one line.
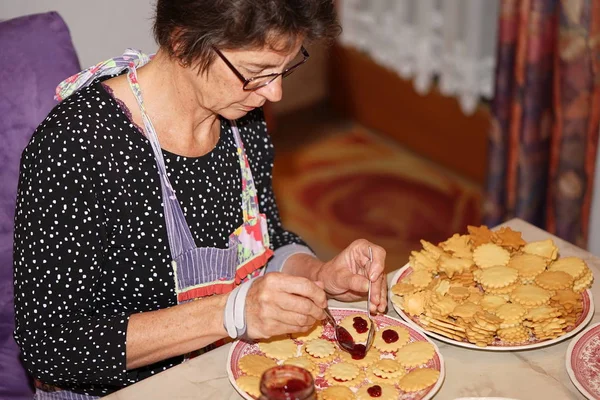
[[275, 75]]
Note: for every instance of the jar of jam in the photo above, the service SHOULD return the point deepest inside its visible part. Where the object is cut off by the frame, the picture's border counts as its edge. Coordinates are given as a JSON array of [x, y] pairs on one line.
[[287, 382]]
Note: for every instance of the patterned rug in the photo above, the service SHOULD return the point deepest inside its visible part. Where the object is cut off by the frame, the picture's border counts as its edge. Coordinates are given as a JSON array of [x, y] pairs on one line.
[[353, 184]]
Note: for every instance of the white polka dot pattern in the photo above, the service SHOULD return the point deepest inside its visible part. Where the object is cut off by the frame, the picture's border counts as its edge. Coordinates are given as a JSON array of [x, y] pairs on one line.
[[90, 241]]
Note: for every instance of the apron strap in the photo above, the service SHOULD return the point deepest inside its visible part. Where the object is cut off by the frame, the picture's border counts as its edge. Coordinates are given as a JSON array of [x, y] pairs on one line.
[[249, 194], [112, 66], [178, 231]]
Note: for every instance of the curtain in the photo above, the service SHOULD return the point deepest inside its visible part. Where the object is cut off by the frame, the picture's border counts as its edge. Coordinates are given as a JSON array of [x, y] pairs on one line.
[[449, 41], [546, 115]]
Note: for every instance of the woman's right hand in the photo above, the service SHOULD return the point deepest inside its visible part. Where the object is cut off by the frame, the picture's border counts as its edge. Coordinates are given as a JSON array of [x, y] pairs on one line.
[[278, 303]]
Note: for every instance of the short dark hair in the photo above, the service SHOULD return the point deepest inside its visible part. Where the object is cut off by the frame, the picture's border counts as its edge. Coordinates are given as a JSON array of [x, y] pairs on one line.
[[188, 29]]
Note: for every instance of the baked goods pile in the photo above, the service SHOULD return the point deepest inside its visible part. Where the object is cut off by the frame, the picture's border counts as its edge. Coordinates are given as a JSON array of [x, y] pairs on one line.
[[493, 288]]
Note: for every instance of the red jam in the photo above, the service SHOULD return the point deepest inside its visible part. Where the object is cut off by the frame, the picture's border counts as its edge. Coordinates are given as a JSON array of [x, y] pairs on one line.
[[374, 391], [345, 338], [360, 324], [358, 351], [389, 336], [287, 382], [291, 386]]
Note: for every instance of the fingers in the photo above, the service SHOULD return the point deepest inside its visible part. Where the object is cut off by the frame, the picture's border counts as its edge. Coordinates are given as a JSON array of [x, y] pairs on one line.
[[378, 295], [353, 282], [269, 330], [302, 307], [299, 286], [271, 319], [383, 295], [277, 304], [376, 268]]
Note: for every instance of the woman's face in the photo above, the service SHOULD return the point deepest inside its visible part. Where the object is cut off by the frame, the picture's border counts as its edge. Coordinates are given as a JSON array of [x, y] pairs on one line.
[[221, 91]]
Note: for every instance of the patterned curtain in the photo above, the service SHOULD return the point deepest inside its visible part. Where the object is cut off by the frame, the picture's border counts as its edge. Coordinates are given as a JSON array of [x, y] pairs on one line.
[[546, 115]]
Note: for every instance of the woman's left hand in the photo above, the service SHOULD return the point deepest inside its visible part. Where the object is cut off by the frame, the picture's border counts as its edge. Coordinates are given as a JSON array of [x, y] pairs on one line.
[[347, 275]]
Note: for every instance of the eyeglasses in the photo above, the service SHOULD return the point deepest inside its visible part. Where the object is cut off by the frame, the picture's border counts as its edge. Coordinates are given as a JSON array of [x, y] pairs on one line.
[[262, 80]]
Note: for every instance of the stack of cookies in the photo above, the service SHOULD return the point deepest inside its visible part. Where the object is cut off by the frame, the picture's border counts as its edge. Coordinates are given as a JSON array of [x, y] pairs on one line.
[[393, 367], [493, 288]]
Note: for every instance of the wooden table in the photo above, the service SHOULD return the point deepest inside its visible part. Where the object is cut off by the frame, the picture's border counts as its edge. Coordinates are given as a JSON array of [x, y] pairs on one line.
[[524, 375]]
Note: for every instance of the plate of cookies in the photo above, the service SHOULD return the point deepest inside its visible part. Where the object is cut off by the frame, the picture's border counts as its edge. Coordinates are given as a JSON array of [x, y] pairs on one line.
[[402, 363], [583, 362], [492, 290]]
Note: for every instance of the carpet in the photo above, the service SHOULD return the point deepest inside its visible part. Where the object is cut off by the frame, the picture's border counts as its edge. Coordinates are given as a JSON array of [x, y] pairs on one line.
[[354, 184]]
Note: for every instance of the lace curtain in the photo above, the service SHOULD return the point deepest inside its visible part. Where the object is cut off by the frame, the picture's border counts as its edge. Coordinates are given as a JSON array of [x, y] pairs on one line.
[[451, 41]]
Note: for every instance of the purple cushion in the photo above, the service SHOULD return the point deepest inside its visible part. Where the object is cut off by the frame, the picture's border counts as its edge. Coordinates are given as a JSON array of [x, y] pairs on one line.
[[36, 54]]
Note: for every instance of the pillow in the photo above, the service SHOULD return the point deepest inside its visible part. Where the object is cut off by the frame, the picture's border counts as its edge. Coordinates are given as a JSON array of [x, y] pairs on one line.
[[37, 54]]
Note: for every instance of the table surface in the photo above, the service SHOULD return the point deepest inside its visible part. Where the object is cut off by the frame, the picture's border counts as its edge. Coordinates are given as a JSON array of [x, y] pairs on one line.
[[522, 375]]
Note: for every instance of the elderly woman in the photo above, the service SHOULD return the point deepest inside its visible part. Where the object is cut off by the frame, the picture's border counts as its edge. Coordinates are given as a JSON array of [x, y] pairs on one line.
[[149, 186]]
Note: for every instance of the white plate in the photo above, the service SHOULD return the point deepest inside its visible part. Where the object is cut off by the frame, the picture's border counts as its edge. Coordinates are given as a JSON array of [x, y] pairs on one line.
[[240, 349], [584, 319], [583, 362]]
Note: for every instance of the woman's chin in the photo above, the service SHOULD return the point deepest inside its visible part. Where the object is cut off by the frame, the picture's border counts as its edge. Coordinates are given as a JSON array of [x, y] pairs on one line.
[[234, 113]]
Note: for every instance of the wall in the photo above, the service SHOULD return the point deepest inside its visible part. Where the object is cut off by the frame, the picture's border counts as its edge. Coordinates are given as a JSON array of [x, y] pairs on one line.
[[101, 30], [432, 125], [594, 239], [308, 85]]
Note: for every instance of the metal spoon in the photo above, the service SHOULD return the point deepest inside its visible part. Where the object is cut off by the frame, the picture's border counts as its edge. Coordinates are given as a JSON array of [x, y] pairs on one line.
[[340, 333], [372, 328]]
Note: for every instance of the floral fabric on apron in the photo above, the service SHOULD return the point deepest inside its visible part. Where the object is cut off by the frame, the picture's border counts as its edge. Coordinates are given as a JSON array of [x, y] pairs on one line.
[[198, 271]]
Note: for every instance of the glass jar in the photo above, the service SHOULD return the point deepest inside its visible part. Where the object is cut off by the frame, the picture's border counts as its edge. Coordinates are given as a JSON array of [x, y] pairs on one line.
[[287, 382]]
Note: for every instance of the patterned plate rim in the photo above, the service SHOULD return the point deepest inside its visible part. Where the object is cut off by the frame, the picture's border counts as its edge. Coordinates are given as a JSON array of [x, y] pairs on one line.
[[417, 332], [574, 331], [572, 354]]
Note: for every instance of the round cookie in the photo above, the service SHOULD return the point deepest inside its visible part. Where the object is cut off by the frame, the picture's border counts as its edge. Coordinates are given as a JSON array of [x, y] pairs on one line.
[[574, 266], [528, 265], [249, 384], [334, 375], [337, 393], [511, 312], [498, 277], [372, 356], [342, 372], [255, 365], [418, 379], [585, 282], [530, 295], [415, 354], [490, 255], [303, 362], [386, 371], [280, 349], [554, 280], [313, 333], [397, 336], [319, 349], [490, 302], [353, 321]]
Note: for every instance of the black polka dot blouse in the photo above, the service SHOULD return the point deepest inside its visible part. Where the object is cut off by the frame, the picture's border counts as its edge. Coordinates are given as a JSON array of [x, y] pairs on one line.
[[91, 246]]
